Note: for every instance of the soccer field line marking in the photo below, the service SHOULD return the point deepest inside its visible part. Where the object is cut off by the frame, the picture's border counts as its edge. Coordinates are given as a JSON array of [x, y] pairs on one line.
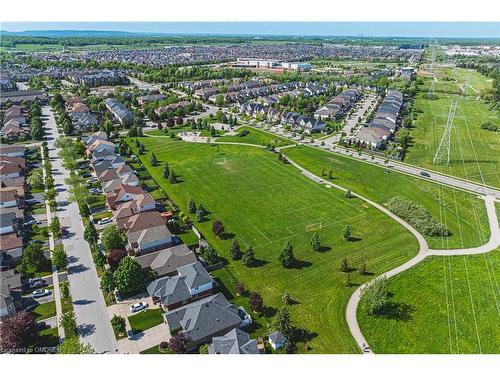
[[258, 230], [472, 305]]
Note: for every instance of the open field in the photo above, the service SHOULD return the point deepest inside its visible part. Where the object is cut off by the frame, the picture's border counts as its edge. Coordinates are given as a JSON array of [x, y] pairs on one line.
[[264, 203], [474, 152], [462, 213], [256, 137], [443, 305]]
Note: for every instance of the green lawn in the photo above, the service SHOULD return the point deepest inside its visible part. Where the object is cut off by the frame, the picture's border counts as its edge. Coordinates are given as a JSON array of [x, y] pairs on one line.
[[445, 305], [48, 337], [264, 203], [189, 238], [44, 310], [102, 215], [461, 212], [146, 319], [474, 152], [255, 137]]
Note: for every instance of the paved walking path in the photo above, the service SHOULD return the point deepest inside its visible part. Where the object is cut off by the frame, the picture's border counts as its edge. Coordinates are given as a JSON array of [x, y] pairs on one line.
[[92, 318]]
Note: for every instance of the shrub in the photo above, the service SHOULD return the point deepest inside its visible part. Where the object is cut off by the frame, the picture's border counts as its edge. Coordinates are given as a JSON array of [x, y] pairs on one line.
[[417, 216]]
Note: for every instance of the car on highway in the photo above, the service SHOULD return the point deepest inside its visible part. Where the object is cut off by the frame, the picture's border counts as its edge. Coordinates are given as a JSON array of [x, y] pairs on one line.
[[40, 293], [139, 306], [425, 174], [105, 221]]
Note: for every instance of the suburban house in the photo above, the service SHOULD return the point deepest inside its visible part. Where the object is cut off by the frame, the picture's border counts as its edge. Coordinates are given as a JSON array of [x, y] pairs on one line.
[[304, 123], [22, 96], [10, 292], [11, 246], [100, 166], [149, 238], [150, 98], [140, 221], [8, 222], [100, 135], [126, 193], [203, 319], [84, 121], [111, 185], [235, 341], [166, 262], [338, 105], [121, 113], [141, 203], [99, 145], [12, 150], [191, 283]]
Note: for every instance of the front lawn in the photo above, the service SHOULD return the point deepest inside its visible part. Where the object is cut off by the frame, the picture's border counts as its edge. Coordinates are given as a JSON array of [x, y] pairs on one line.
[[44, 310], [146, 319], [102, 215]]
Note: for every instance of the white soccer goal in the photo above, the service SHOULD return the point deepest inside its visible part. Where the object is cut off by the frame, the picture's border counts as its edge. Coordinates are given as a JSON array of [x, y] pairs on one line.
[[314, 227]]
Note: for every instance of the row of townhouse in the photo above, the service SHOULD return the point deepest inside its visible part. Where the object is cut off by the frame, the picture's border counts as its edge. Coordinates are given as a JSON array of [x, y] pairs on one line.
[[7, 85], [338, 105], [12, 205], [98, 78], [83, 120], [301, 123], [184, 289], [141, 100], [121, 113], [212, 92], [172, 107], [22, 96], [14, 123], [385, 121], [203, 83]]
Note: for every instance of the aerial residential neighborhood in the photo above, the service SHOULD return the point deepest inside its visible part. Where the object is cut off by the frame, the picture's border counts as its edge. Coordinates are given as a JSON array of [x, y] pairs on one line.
[[307, 190]]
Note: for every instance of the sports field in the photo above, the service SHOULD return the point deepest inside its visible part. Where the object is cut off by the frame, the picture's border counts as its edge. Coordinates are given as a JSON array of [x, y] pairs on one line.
[[474, 152], [464, 214], [446, 305], [265, 203]]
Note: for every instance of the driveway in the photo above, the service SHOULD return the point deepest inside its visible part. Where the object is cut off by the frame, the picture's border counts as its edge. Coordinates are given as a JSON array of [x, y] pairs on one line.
[[88, 302], [144, 340]]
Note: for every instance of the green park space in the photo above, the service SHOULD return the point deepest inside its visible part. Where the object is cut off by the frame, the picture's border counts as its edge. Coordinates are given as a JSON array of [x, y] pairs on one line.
[[146, 319], [444, 305], [462, 213], [255, 137], [264, 203]]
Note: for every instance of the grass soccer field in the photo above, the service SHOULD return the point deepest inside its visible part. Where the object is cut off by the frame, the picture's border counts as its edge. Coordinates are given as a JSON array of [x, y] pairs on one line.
[[464, 214], [256, 137], [474, 152], [446, 305], [264, 203]]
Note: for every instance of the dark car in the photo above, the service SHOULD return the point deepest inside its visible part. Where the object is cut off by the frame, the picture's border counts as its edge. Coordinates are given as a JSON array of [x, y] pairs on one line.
[[425, 174]]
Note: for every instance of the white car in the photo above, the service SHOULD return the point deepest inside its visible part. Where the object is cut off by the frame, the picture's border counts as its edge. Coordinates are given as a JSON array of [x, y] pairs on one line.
[[40, 293], [105, 221], [136, 307]]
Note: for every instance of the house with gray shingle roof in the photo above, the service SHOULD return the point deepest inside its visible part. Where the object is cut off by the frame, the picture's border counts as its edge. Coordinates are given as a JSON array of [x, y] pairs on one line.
[[203, 319], [234, 342], [192, 282]]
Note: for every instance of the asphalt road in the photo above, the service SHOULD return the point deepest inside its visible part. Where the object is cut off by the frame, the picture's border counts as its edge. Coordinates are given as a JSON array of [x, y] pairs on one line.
[[90, 309]]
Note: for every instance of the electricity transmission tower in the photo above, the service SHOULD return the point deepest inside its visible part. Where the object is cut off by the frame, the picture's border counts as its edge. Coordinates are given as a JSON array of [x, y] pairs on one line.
[[442, 155]]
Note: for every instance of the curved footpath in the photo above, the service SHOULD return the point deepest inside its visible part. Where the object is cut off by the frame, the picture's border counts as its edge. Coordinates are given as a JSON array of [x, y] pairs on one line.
[[424, 251]]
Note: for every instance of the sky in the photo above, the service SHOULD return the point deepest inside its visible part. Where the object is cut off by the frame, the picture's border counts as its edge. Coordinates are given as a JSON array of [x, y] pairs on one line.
[[381, 29]]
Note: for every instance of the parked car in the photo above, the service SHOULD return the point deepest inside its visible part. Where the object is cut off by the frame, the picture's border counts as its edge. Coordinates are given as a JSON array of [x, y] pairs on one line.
[[86, 175], [32, 201], [32, 222], [136, 307], [95, 191], [40, 293], [105, 221], [35, 283], [36, 241], [425, 174]]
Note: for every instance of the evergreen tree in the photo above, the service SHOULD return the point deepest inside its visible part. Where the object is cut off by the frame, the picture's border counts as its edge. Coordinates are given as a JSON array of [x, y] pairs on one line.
[[200, 214], [346, 232], [344, 267], [172, 178], [154, 161], [191, 206], [235, 251], [286, 257], [166, 171], [248, 258]]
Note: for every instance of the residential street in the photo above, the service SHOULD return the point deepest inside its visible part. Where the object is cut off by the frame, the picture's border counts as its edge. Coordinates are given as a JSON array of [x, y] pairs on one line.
[[90, 309]]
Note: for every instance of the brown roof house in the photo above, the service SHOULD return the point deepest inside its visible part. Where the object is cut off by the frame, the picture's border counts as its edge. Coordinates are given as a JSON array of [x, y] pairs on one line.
[[166, 262]]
